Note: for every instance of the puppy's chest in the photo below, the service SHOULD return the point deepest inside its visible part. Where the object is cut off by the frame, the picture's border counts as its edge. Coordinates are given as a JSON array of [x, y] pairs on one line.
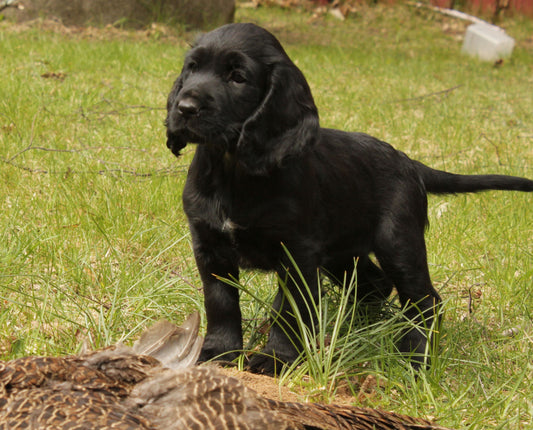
[[232, 227], [252, 223], [239, 220], [252, 234], [255, 214], [223, 211]]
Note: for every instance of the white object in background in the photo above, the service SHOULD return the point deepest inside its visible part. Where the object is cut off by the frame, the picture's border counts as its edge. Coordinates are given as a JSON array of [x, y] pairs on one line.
[[487, 42]]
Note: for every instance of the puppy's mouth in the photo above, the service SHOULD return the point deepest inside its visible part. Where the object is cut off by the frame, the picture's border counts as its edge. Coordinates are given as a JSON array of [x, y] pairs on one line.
[[190, 128], [203, 128]]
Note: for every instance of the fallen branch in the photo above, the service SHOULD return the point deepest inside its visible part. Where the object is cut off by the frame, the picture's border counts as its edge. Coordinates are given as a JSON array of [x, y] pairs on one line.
[[125, 109], [166, 171], [452, 12], [425, 96]]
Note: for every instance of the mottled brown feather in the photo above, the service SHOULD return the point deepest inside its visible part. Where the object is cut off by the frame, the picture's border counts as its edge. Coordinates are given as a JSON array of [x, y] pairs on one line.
[[121, 388]]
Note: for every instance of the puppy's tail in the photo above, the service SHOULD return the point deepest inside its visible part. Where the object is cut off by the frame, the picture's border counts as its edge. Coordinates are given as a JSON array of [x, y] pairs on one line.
[[440, 182]]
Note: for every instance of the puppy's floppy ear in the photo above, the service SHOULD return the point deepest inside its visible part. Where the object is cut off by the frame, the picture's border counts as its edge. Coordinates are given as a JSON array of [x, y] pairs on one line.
[[285, 123], [175, 142]]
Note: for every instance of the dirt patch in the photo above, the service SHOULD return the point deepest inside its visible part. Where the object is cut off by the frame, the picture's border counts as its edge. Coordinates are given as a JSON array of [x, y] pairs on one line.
[[265, 386], [271, 388]]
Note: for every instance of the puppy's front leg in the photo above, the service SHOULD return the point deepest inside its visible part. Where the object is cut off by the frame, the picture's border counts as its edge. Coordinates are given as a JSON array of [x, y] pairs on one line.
[[215, 257]]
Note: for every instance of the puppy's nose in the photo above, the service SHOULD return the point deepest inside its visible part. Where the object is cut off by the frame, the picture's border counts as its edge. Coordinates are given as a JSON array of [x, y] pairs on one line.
[[188, 107]]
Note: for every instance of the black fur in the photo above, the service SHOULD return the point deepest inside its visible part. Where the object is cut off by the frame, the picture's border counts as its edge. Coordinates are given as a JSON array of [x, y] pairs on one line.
[[265, 174]]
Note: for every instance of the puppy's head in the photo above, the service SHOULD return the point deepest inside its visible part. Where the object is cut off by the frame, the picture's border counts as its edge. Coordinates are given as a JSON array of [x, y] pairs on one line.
[[239, 91]]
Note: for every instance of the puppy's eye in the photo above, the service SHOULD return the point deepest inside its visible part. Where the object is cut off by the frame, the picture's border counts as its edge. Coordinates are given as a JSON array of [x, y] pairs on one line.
[[192, 66], [237, 76]]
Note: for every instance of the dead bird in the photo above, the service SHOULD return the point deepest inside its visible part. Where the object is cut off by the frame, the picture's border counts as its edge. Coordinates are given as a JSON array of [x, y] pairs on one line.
[[156, 385]]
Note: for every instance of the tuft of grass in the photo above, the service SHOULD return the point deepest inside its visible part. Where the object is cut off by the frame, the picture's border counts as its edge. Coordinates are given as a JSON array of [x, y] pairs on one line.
[[94, 244], [344, 340]]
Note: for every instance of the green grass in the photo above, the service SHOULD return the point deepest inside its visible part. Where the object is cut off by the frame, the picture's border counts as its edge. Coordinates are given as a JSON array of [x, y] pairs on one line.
[[95, 245]]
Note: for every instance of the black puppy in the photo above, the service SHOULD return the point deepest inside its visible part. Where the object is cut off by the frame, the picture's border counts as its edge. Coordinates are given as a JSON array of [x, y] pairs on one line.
[[265, 174]]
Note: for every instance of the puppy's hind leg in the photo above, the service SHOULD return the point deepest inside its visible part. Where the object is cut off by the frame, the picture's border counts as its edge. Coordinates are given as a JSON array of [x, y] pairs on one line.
[[285, 338], [401, 251], [373, 285]]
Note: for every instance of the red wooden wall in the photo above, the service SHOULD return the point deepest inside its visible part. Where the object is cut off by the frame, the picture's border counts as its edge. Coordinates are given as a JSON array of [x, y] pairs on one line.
[[485, 7], [488, 6]]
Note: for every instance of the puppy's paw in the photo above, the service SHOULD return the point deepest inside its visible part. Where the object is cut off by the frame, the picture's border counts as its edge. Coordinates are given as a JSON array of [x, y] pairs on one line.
[[269, 362], [213, 350], [413, 346], [265, 365]]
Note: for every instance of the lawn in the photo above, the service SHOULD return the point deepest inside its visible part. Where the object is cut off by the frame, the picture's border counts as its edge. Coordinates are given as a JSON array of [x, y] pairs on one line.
[[95, 245]]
